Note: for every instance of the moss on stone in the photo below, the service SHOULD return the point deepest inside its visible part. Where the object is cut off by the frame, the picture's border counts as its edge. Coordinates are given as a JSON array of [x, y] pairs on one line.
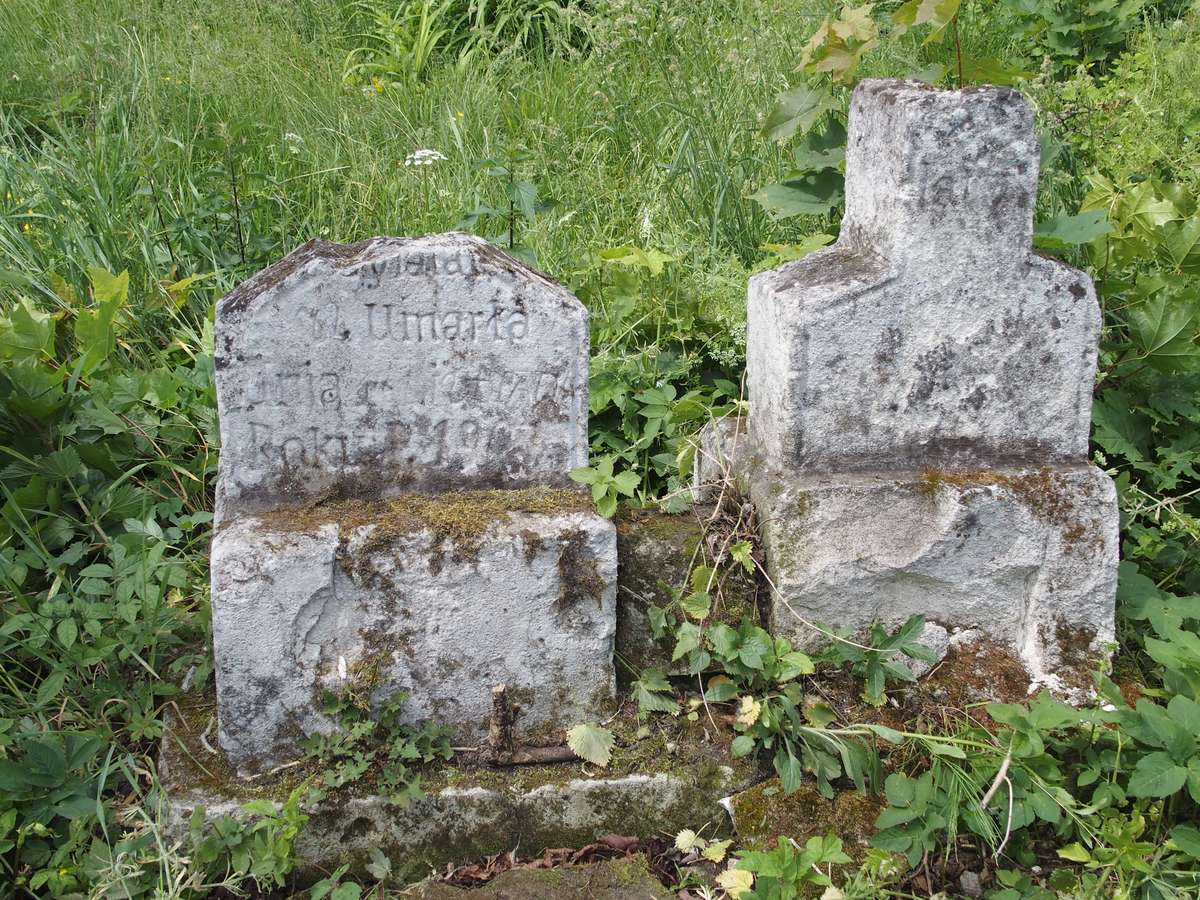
[[1043, 493], [676, 747], [656, 553], [456, 521], [627, 878], [578, 574], [764, 813]]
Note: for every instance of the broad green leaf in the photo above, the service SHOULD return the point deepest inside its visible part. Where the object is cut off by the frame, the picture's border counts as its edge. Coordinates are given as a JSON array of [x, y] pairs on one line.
[[938, 13], [813, 194], [796, 110], [687, 639], [821, 150], [720, 689], [950, 750], [653, 693], [1164, 326], [584, 475], [1181, 245], [794, 664], [742, 745], [26, 332], [523, 196], [715, 851], [652, 260], [791, 772], [1064, 231], [697, 605], [94, 327], [888, 734], [1075, 853], [1187, 839], [592, 743], [51, 686], [627, 483], [1156, 775], [67, 631]]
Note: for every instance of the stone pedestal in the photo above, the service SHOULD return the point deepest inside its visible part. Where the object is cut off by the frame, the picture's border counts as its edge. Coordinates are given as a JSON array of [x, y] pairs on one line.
[[1027, 558], [441, 598]]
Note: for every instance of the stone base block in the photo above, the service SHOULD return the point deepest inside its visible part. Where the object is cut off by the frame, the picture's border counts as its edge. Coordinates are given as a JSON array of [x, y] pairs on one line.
[[441, 598], [628, 878], [468, 822], [1027, 557], [676, 777]]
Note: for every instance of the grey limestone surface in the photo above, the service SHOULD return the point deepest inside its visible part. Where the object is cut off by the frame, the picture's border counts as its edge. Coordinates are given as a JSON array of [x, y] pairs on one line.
[[1026, 556], [397, 365], [920, 398], [300, 609], [930, 333]]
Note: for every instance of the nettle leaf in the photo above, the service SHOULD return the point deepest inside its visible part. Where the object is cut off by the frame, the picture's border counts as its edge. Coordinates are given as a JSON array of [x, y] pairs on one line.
[[592, 743], [698, 605], [653, 693], [796, 110]]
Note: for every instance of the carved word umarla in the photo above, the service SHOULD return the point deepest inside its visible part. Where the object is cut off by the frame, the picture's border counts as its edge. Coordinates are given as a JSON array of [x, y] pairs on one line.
[[398, 421], [920, 397]]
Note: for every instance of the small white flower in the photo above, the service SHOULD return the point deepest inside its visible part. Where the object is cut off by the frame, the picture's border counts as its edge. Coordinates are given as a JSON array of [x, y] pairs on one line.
[[423, 158], [342, 668], [647, 226]]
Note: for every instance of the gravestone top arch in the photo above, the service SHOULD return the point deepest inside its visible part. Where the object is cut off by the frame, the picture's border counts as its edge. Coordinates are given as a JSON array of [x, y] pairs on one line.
[[397, 365]]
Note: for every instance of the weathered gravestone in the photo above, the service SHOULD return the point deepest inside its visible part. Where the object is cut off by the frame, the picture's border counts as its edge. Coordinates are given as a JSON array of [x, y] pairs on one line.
[[920, 396], [368, 394]]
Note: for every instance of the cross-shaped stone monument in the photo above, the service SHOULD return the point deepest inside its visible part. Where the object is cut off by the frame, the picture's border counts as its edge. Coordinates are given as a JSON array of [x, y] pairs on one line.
[[920, 397]]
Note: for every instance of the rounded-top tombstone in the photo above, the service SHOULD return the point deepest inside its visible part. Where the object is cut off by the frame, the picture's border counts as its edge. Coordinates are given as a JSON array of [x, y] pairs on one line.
[[397, 365]]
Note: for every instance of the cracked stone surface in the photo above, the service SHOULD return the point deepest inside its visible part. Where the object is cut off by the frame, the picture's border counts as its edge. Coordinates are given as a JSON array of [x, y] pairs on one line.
[[300, 609], [1027, 556], [397, 365], [930, 333]]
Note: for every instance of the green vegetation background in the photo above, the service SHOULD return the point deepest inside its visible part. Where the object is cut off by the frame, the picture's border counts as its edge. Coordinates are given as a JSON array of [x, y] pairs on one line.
[[188, 144]]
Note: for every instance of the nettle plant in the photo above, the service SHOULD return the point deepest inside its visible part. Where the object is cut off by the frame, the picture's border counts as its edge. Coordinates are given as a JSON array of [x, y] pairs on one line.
[[660, 356], [102, 524], [374, 742]]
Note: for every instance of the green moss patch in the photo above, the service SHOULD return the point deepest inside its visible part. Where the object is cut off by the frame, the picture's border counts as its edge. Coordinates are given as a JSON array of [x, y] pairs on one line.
[[763, 814], [456, 520]]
